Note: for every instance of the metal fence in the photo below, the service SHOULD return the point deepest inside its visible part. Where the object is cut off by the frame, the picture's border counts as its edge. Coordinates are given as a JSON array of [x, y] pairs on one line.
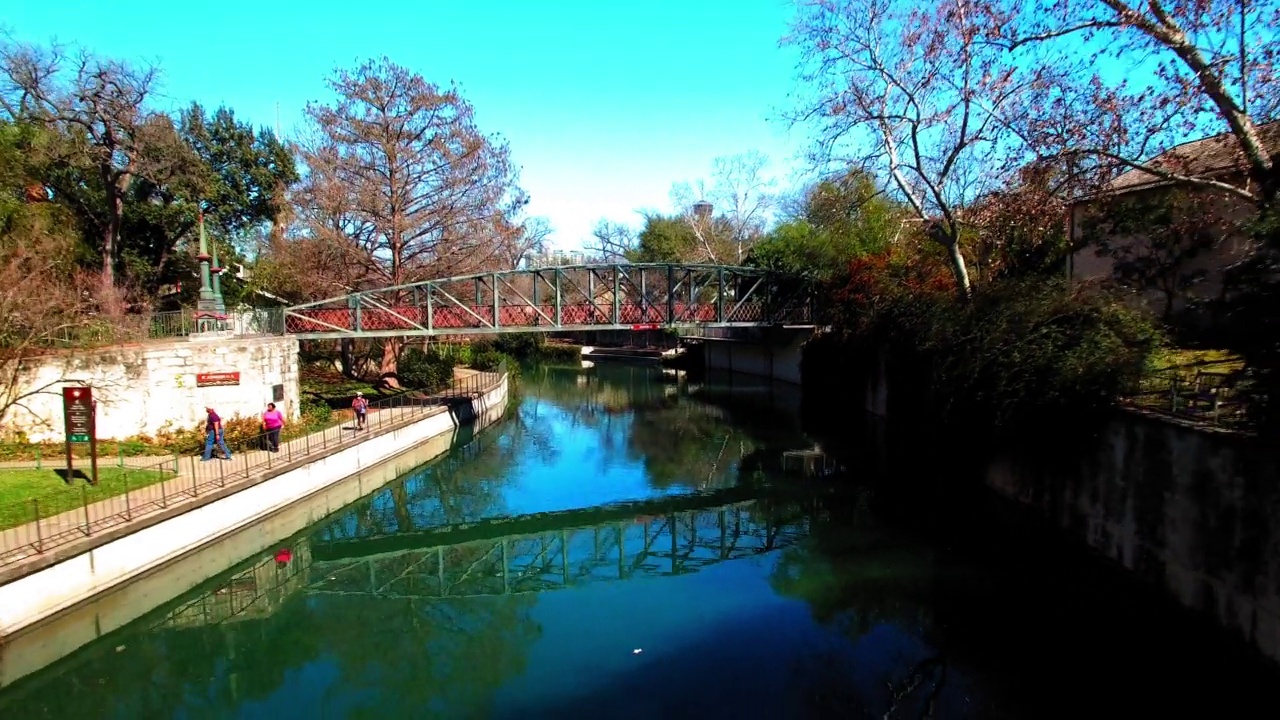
[[1220, 393], [146, 486], [169, 324]]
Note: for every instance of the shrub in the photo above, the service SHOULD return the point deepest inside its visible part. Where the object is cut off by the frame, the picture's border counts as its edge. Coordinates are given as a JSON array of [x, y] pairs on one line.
[[560, 353], [424, 371], [315, 411], [1021, 353], [488, 360], [1035, 351]]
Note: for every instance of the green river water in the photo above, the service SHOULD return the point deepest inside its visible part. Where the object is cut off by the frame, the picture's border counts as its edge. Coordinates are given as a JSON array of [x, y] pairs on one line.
[[625, 544]]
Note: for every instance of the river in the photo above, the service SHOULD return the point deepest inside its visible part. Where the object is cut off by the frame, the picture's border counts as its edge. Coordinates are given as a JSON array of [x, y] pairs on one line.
[[627, 544]]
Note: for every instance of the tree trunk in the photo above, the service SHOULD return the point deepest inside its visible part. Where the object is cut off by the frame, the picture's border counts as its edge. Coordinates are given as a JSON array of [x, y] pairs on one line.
[[110, 233], [390, 361], [958, 268], [347, 357]]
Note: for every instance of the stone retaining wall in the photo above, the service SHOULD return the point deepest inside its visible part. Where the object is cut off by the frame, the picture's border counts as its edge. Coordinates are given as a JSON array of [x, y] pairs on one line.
[[145, 389]]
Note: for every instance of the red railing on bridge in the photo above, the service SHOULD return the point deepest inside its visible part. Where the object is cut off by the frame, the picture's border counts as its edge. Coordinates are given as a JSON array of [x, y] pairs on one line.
[[413, 318]]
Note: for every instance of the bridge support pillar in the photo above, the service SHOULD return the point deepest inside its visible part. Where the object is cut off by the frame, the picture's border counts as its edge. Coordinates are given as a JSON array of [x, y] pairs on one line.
[[765, 352]]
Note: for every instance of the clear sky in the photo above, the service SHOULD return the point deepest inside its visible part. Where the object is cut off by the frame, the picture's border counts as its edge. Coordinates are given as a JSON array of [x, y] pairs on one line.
[[604, 104]]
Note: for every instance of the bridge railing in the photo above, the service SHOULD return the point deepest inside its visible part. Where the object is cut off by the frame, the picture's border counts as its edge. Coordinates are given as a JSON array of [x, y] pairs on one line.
[[569, 297], [132, 488]]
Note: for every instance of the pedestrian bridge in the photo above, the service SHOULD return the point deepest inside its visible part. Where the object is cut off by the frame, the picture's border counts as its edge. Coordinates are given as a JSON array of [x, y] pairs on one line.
[[619, 296]]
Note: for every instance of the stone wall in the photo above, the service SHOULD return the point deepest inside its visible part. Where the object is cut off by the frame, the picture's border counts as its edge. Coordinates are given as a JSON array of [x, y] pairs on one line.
[[1193, 512], [144, 389]]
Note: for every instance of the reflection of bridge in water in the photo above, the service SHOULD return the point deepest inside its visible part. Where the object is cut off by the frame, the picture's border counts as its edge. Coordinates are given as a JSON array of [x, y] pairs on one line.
[[675, 543], [673, 536]]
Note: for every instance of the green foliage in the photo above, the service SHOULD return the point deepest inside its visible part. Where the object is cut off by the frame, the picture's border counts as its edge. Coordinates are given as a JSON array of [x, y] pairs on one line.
[[665, 240], [843, 218], [248, 171], [1023, 354], [316, 411], [521, 348], [560, 353], [491, 360], [456, 352], [1028, 352], [158, 203], [1251, 312], [428, 372]]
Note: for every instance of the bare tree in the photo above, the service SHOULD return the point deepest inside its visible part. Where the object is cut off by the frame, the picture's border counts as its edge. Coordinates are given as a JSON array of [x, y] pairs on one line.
[[101, 104], [530, 240], [41, 300], [742, 195], [406, 185], [611, 241], [911, 90], [1192, 70]]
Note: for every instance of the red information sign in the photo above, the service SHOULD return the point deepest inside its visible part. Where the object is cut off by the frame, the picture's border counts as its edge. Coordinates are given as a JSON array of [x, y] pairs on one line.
[[79, 419], [217, 379], [647, 326]]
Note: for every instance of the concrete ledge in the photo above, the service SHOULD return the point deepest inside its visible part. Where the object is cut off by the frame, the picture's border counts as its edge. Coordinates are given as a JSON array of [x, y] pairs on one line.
[[58, 587], [184, 504]]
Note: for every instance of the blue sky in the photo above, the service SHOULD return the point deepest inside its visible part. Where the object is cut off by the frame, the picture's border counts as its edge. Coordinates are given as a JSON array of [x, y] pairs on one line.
[[604, 105]]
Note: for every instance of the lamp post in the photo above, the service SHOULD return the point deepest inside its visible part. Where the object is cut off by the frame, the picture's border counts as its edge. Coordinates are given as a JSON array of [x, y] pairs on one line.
[[207, 305]]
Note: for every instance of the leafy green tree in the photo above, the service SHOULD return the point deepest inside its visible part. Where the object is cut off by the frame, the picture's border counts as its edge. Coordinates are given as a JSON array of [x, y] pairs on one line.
[[840, 218], [250, 171], [665, 239]]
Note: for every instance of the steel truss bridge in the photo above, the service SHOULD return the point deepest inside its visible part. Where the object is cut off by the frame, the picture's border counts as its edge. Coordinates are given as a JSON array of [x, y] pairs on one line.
[[489, 559], [620, 296]]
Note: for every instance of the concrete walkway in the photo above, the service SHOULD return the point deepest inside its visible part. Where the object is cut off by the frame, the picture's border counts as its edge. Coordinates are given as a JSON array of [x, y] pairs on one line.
[[197, 482]]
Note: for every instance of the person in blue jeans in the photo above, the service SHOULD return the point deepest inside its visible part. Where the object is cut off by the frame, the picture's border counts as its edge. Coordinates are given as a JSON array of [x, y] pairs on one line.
[[213, 433]]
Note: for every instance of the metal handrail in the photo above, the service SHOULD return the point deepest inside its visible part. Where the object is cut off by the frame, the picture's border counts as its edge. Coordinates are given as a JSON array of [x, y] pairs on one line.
[[54, 522]]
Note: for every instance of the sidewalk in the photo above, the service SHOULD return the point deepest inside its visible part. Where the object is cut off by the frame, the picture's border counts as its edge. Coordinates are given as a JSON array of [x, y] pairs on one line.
[[82, 463], [198, 482]]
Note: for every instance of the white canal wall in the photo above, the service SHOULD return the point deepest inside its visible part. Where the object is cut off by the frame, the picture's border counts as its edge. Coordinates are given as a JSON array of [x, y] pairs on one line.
[[44, 594]]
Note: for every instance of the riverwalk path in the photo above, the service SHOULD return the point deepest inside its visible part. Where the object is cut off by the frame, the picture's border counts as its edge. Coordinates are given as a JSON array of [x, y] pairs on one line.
[[192, 482]]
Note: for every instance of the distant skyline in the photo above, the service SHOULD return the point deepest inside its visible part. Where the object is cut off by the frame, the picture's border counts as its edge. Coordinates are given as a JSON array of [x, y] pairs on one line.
[[604, 105]]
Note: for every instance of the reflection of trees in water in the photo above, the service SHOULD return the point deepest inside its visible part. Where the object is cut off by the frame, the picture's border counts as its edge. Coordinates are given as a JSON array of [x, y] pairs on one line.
[[642, 417], [680, 444], [394, 658], [875, 589], [463, 485], [426, 657]]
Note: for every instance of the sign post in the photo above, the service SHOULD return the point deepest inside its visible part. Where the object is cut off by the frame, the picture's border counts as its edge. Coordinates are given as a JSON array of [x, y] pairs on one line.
[[78, 415]]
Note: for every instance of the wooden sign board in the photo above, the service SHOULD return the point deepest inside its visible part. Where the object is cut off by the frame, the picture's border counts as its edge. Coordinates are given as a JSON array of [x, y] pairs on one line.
[[80, 422], [77, 409], [217, 379]]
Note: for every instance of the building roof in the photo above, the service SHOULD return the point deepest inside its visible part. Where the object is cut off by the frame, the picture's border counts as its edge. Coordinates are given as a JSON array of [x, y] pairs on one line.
[[1214, 155]]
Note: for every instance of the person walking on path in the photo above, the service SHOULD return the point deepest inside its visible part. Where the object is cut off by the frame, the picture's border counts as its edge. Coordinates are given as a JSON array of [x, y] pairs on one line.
[[361, 406], [272, 422], [213, 433]]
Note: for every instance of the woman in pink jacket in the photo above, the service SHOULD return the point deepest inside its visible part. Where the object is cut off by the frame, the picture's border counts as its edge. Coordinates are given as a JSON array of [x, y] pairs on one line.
[[272, 422]]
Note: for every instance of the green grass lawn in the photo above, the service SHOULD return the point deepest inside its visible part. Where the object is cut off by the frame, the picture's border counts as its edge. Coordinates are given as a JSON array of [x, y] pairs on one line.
[[19, 486], [1181, 357]]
